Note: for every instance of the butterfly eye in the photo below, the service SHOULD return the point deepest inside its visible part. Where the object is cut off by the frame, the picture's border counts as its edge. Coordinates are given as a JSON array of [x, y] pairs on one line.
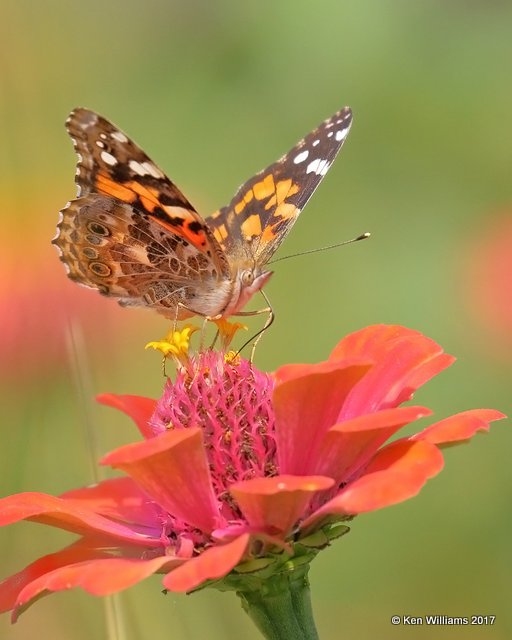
[[247, 278]]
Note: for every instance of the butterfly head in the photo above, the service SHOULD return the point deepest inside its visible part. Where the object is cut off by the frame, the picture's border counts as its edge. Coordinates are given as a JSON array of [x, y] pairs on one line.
[[249, 280]]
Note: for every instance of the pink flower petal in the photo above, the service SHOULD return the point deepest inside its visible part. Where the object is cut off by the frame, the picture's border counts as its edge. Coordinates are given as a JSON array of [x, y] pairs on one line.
[[140, 409], [212, 564], [305, 407], [396, 473], [13, 585], [100, 577], [350, 445], [273, 505], [459, 428], [120, 499], [68, 515], [173, 469]]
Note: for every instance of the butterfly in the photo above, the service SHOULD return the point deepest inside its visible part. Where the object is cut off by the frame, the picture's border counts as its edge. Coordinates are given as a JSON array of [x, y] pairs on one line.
[[132, 235]]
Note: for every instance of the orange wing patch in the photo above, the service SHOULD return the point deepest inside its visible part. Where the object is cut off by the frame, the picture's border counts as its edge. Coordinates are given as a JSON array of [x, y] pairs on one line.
[[128, 191], [109, 187], [286, 211], [177, 219], [252, 226], [257, 223], [220, 233], [265, 188], [284, 189], [240, 206]]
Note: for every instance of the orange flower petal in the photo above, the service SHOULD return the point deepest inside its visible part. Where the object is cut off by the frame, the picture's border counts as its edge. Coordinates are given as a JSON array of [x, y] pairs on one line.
[[392, 379], [404, 360], [13, 585], [139, 409], [397, 473], [173, 469], [68, 515], [305, 407], [120, 499], [273, 505], [350, 445], [290, 372], [459, 428], [212, 564], [371, 342], [100, 577]]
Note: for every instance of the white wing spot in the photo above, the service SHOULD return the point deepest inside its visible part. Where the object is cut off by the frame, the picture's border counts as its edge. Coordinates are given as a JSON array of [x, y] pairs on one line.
[[145, 168], [300, 157], [341, 134], [119, 136], [103, 136], [152, 170], [137, 168], [330, 134], [108, 158], [100, 144], [318, 166], [316, 142]]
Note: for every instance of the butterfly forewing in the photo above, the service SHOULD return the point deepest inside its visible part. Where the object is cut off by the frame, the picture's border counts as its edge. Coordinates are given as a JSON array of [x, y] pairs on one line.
[[265, 207], [105, 150], [132, 234], [111, 164]]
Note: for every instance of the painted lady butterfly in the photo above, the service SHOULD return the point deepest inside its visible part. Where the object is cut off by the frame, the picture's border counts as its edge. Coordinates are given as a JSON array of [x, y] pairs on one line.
[[131, 233]]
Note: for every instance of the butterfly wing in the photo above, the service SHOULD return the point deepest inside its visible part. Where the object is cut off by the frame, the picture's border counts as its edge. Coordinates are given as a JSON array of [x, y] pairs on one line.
[[111, 164], [131, 233], [266, 207]]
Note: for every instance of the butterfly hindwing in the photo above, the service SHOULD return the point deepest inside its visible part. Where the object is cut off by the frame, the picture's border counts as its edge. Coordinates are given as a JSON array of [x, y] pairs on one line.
[[265, 208], [109, 246]]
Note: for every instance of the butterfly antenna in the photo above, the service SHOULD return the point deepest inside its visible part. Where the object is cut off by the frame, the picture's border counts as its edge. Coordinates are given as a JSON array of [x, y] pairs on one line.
[[363, 236]]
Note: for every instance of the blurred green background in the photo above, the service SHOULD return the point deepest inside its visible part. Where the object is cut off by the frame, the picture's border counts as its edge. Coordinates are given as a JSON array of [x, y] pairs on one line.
[[214, 91]]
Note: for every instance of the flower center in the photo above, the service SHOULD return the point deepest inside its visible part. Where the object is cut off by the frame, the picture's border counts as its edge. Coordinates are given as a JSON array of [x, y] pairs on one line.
[[230, 400]]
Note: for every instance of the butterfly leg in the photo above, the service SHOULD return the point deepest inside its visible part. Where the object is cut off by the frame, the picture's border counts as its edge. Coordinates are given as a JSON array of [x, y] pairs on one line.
[[180, 306], [257, 337], [215, 338], [206, 319]]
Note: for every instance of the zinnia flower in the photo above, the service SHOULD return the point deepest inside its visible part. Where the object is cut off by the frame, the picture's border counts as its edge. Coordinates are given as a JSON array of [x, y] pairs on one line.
[[487, 282], [242, 477]]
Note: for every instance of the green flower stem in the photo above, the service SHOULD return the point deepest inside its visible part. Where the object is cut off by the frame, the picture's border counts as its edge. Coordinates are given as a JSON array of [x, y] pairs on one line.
[[281, 607]]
